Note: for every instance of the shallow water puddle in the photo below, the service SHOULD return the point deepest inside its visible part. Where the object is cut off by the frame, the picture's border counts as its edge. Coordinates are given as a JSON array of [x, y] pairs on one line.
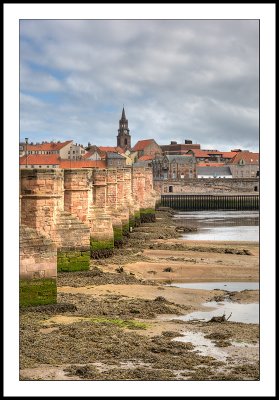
[[229, 286], [204, 346], [247, 313], [243, 344]]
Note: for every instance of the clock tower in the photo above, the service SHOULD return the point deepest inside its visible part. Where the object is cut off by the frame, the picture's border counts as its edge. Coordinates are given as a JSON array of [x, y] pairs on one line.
[[123, 137]]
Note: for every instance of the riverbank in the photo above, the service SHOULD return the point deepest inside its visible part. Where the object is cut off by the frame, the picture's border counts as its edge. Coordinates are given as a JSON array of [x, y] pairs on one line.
[[118, 321]]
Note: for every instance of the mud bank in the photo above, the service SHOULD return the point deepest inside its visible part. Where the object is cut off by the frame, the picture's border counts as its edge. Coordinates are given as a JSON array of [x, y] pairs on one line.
[[118, 320]]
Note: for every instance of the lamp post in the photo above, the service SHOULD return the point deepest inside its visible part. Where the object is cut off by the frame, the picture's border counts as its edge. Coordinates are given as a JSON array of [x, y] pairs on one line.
[[26, 141]]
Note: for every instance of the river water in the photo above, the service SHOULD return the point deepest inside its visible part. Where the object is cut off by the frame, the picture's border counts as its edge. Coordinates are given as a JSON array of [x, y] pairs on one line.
[[225, 226], [220, 225], [247, 313], [229, 286]]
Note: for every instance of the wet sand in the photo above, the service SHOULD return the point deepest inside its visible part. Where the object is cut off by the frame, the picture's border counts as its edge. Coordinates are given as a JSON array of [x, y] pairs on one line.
[[121, 323]]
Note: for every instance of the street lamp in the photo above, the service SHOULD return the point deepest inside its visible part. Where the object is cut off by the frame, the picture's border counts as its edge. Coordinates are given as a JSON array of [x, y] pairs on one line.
[[26, 141]]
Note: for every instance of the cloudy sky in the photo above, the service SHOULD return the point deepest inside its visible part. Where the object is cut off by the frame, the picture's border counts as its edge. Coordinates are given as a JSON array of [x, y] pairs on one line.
[[178, 79]]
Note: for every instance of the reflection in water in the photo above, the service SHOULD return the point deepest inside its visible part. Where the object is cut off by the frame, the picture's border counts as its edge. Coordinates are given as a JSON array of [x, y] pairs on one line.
[[221, 225]]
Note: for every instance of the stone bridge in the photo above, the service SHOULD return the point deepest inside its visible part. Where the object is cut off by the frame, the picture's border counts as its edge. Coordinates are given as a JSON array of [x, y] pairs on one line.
[[68, 216]]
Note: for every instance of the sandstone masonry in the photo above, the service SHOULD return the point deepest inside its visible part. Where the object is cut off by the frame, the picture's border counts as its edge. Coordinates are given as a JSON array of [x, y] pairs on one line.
[[207, 186], [77, 214]]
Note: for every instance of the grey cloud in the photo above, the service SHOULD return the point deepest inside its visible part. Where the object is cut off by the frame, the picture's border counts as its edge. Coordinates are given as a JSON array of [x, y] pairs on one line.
[[164, 71]]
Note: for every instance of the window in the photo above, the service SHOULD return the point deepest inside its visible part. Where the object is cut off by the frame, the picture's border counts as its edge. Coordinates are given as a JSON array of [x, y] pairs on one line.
[[69, 152], [170, 189]]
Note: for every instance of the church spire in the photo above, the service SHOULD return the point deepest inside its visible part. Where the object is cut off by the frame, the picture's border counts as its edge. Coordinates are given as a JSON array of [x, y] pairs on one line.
[[123, 137], [123, 114]]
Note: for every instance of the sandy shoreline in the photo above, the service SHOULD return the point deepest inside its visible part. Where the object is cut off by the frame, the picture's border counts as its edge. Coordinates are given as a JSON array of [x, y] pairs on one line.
[[121, 317]]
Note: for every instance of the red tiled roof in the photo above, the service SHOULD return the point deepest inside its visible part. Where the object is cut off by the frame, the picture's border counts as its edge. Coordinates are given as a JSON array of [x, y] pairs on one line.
[[228, 154], [40, 159], [54, 159], [102, 154], [248, 157], [210, 164], [141, 144], [48, 146], [69, 164], [198, 153], [111, 149], [212, 151], [145, 158]]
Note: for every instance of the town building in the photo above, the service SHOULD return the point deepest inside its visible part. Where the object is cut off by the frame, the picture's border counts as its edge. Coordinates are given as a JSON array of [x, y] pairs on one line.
[[205, 155], [46, 161], [67, 150], [147, 147], [179, 148], [245, 164], [114, 156], [94, 153], [115, 160], [214, 172], [40, 161], [174, 167]]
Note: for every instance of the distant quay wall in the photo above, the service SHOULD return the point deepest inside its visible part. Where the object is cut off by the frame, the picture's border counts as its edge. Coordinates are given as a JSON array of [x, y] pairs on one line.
[[208, 186]]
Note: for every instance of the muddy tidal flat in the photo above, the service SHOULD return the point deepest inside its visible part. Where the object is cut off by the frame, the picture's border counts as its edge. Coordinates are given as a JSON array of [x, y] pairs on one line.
[[123, 319]]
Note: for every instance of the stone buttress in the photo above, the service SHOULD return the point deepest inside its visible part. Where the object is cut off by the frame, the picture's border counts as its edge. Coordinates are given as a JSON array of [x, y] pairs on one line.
[[122, 207], [135, 196], [42, 208], [150, 198], [112, 207], [38, 268], [128, 196], [143, 193], [101, 229], [68, 215]]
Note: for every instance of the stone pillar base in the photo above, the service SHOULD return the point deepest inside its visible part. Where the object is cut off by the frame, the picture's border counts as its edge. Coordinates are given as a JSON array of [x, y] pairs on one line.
[[137, 218], [118, 235], [36, 292], [101, 248], [101, 234], [73, 260], [147, 215], [131, 221]]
